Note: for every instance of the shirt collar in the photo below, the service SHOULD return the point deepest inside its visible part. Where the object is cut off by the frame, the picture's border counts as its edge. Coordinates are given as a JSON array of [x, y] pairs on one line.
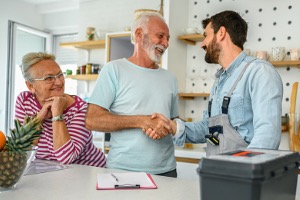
[[237, 61]]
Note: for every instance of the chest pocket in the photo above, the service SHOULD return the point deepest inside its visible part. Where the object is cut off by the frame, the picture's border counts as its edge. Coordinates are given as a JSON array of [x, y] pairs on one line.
[[236, 111]]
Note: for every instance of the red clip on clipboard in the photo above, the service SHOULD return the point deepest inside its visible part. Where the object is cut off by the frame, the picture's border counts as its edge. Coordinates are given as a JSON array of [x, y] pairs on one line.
[[126, 180]]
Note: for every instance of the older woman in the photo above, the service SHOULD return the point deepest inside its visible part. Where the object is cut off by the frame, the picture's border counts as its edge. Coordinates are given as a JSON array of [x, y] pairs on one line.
[[64, 137]]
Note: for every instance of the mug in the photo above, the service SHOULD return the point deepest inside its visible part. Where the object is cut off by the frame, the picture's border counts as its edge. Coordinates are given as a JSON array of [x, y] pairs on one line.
[[278, 53], [295, 54], [189, 30], [262, 55]]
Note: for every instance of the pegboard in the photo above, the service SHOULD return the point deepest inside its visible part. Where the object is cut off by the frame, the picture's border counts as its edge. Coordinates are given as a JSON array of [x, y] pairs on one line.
[[270, 24]]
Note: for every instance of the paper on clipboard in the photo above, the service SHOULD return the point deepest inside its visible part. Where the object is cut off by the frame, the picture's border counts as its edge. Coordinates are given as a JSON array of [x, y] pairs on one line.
[[126, 180]]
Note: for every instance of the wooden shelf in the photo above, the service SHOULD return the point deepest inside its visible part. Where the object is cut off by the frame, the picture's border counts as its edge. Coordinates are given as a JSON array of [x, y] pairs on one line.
[[93, 44], [285, 63], [191, 38], [188, 160], [190, 96], [84, 77]]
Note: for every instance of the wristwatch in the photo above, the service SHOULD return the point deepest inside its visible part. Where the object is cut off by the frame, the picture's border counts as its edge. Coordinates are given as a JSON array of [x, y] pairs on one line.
[[58, 118]]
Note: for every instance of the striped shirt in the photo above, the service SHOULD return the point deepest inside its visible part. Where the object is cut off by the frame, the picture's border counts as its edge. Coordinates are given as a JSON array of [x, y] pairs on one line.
[[79, 149]]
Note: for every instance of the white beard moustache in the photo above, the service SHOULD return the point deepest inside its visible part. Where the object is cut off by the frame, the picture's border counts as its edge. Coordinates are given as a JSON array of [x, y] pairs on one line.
[[152, 55]]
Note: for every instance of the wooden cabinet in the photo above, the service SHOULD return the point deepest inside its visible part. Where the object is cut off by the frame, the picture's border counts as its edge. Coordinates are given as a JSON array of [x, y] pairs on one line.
[[190, 96], [83, 77], [93, 44], [191, 39], [286, 63], [86, 45], [118, 46]]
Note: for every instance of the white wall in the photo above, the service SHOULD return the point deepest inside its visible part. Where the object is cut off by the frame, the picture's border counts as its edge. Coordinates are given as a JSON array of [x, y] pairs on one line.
[[62, 22], [22, 13], [109, 16], [106, 16]]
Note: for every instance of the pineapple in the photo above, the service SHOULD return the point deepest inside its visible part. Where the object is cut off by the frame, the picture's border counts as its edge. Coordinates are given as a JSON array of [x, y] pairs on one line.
[[22, 136], [13, 158]]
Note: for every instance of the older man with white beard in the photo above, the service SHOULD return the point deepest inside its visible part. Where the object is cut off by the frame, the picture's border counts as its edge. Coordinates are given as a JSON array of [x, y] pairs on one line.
[[127, 92]]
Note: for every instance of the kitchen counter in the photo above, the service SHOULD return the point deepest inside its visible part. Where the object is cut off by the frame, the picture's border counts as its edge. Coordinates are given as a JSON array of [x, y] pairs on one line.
[[79, 182], [197, 151], [190, 155]]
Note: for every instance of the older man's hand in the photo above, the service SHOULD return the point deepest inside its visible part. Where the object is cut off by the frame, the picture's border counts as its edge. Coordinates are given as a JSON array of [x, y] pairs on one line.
[[163, 127]]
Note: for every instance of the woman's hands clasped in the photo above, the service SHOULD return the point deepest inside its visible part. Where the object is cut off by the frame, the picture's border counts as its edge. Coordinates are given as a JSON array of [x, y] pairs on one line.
[[53, 106]]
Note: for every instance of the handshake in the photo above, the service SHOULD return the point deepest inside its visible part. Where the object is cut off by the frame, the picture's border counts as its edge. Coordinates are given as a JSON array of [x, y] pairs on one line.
[[159, 126]]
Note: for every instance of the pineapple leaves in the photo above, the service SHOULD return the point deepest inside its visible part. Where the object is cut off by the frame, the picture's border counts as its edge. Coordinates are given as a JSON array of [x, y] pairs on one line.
[[23, 135]]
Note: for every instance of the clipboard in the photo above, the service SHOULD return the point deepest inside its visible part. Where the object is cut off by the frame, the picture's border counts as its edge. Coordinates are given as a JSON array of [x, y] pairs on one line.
[[126, 180]]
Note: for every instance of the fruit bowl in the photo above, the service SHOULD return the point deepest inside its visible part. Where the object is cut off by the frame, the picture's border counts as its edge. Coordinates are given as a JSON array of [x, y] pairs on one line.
[[13, 165]]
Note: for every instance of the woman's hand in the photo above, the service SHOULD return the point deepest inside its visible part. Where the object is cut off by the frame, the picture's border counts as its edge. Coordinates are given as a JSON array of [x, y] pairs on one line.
[[45, 112], [58, 104]]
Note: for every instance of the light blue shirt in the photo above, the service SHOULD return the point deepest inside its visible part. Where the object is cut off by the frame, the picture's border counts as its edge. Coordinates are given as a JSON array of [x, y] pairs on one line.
[[255, 107], [127, 89]]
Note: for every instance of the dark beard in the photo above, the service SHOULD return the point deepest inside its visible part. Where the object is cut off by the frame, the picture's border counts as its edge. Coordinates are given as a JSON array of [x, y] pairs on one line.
[[213, 52]]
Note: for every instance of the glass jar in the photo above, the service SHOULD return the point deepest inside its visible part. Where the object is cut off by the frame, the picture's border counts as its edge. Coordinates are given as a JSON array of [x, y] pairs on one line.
[[95, 68], [89, 68], [82, 69], [90, 33], [78, 70]]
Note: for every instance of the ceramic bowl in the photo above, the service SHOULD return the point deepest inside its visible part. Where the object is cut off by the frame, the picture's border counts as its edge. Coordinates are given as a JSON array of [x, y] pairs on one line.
[[190, 30]]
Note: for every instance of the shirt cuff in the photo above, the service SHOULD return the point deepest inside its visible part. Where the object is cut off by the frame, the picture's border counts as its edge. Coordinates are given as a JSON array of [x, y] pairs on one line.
[[179, 128]]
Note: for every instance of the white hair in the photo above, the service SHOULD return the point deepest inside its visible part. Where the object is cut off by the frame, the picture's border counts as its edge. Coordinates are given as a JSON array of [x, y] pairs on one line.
[[142, 22], [32, 58]]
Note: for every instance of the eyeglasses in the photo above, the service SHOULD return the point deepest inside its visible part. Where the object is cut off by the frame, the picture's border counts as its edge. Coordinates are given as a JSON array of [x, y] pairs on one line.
[[50, 78]]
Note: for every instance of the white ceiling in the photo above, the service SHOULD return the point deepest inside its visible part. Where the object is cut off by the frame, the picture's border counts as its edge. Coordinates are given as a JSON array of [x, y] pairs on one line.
[[41, 1], [50, 6]]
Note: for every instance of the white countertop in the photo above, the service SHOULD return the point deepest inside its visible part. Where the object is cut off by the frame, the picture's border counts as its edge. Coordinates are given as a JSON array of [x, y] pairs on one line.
[[197, 151], [79, 183]]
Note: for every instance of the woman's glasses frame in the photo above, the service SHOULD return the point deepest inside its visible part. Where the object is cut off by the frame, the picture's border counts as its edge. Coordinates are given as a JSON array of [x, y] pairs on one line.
[[50, 78]]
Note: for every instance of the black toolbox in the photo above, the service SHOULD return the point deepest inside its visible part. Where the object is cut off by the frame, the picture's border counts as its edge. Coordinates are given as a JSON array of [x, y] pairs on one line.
[[255, 174]]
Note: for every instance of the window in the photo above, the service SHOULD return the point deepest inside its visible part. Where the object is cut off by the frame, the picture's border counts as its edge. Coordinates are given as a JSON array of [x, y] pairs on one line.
[[22, 39], [67, 59]]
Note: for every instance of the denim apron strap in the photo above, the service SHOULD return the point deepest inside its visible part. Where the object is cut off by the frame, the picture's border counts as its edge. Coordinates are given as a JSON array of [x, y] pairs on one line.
[[226, 99], [222, 136]]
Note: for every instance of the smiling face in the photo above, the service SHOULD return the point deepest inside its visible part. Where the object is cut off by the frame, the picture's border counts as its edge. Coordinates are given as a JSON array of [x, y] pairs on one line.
[[210, 45], [156, 39], [43, 89]]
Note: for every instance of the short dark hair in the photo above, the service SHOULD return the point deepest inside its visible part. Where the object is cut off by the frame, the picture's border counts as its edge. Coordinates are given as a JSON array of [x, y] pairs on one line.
[[235, 25]]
